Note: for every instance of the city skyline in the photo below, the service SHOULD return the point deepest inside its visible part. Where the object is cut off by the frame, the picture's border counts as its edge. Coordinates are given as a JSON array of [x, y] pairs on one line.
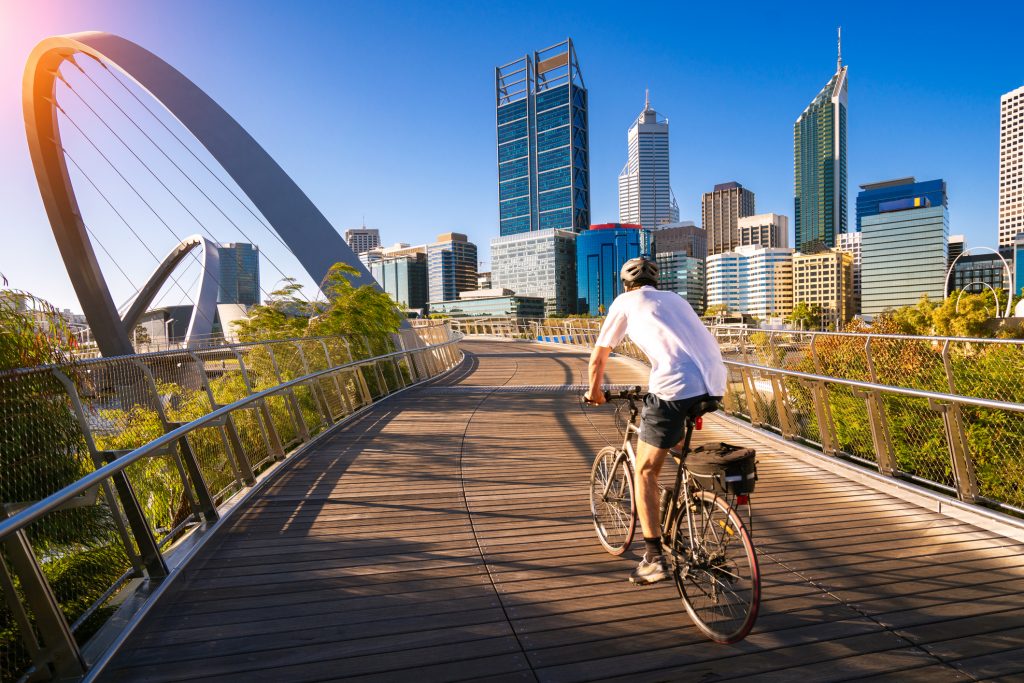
[[268, 99]]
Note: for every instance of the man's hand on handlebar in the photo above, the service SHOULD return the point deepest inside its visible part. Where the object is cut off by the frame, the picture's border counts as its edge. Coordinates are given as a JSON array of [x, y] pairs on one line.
[[597, 399]]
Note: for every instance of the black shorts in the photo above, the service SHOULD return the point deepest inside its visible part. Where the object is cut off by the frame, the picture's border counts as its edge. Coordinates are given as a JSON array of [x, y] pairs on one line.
[[661, 421]]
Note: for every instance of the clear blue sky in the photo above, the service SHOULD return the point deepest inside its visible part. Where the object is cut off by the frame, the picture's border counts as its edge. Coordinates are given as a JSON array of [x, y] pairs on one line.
[[386, 110]]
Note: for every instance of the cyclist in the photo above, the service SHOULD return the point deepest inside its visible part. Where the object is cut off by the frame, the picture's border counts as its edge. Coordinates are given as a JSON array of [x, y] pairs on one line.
[[686, 367]]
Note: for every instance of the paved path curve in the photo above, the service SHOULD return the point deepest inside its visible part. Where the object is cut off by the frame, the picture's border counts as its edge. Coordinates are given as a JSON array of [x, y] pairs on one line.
[[445, 535]]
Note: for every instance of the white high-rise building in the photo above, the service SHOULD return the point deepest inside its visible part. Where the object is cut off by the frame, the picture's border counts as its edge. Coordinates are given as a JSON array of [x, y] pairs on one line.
[[752, 279], [645, 193], [850, 243], [1011, 166]]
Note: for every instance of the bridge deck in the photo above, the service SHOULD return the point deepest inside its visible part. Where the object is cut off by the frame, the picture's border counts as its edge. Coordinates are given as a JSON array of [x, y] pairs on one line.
[[445, 535]]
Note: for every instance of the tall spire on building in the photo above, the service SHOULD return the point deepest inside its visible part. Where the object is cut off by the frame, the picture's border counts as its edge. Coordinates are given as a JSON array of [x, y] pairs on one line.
[[839, 41], [647, 99]]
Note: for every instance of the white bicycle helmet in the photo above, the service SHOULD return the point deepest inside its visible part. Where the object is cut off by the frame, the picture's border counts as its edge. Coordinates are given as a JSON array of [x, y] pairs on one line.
[[639, 271]]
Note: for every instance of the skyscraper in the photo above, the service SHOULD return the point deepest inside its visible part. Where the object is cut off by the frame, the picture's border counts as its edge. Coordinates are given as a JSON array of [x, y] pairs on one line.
[[543, 146], [752, 279], [1011, 166], [819, 165], [721, 210], [451, 266], [903, 253], [239, 277], [362, 239], [645, 193]]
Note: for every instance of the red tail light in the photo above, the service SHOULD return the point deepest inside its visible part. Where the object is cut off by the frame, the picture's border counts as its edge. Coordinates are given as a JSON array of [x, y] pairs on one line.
[[742, 499], [699, 423]]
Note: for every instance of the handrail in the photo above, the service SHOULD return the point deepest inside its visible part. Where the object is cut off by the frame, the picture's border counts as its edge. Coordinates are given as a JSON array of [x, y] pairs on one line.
[[736, 331], [40, 508], [889, 388]]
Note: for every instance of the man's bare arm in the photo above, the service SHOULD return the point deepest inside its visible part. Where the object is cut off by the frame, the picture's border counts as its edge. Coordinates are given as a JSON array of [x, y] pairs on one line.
[[598, 361]]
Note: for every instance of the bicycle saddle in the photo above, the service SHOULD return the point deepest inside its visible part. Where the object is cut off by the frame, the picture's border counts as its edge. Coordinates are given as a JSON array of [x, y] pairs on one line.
[[707, 405]]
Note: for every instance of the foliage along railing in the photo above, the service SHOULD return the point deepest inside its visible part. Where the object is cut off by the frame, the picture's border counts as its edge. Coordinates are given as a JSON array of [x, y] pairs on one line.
[[944, 412], [107, 465]]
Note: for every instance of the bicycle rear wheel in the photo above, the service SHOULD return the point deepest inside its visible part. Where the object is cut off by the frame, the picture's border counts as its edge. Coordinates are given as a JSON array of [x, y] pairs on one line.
[[611, 500], [719, 582]]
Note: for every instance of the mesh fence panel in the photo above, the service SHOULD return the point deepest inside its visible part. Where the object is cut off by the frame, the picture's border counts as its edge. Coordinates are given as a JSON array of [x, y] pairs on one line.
[[849, 413], [919, 438]]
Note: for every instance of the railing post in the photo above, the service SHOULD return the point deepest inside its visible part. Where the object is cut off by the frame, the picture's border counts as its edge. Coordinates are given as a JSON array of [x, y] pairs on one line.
[[956, 440], [823, 414], [296, 411], [58, 647], [342, 395], [782, 407], [204, 500], [750, 393], [314, 387], [229, 430], [880, 437], [266, 420]]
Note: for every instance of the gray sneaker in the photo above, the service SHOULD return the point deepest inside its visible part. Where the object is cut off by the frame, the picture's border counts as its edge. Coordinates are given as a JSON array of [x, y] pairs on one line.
[[651, 569]]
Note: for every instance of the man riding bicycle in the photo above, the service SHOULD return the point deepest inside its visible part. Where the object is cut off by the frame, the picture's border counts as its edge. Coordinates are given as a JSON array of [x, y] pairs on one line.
[[686, 368]]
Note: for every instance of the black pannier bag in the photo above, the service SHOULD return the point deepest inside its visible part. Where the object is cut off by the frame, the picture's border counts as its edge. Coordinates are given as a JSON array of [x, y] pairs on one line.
[[723, 468]]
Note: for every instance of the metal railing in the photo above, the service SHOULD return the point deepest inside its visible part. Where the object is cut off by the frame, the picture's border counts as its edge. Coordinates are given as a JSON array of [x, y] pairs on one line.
[[110, 465], [943, 412]]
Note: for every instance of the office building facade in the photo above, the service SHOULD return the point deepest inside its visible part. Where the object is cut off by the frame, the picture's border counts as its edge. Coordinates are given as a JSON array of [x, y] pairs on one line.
[[362, 240], [238, 279], [404, 278], [974, 273], [538, 264], [1018, 264], [874, 196], [600, 253], [543, 146], [683, 274], [825, 278], [494, 302], [754, 280], [764, 230], [645, 192], [1011, 166], [819, 166], [451, 266], [850, 243], [685, 238], [721, 209], [903, 255]]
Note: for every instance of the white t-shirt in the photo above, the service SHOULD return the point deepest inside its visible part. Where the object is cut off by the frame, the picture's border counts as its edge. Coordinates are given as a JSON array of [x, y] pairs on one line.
[[685, 358]]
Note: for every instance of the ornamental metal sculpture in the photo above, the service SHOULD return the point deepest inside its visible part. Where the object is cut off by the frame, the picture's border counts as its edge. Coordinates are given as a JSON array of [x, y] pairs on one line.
[[305, 230]]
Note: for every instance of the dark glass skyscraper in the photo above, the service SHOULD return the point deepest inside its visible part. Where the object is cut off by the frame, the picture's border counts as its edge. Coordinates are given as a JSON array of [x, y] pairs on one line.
[[543, 146], [819, 166], [239, 277]]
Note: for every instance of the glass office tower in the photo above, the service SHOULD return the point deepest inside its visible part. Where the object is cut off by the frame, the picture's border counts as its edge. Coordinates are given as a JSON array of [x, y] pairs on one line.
[[819, 166], [541, 264], [683, 274], [543, 146], [903, 253], [451, 267], [239, 277], [404, 278], [600, 253]]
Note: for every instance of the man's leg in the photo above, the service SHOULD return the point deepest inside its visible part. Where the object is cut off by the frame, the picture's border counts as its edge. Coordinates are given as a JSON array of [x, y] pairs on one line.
[[649, 460]]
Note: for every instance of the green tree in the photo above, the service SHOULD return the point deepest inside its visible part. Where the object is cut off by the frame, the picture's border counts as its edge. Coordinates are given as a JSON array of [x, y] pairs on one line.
[[716, 310], [806, 316]]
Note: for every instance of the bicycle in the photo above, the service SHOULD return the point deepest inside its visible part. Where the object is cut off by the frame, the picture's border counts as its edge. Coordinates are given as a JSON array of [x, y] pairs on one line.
[[706, 543]]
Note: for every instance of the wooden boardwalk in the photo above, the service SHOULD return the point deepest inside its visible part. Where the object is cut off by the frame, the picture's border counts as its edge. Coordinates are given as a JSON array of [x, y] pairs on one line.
[[445, 535]]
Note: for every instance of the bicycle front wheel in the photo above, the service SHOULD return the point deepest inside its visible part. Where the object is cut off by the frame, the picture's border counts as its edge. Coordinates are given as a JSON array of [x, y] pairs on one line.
[[716, 569], [611, 500]]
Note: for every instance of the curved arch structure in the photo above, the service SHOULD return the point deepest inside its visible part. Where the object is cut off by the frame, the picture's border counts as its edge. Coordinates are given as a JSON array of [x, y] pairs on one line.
[[200, 326], [305, 230]]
